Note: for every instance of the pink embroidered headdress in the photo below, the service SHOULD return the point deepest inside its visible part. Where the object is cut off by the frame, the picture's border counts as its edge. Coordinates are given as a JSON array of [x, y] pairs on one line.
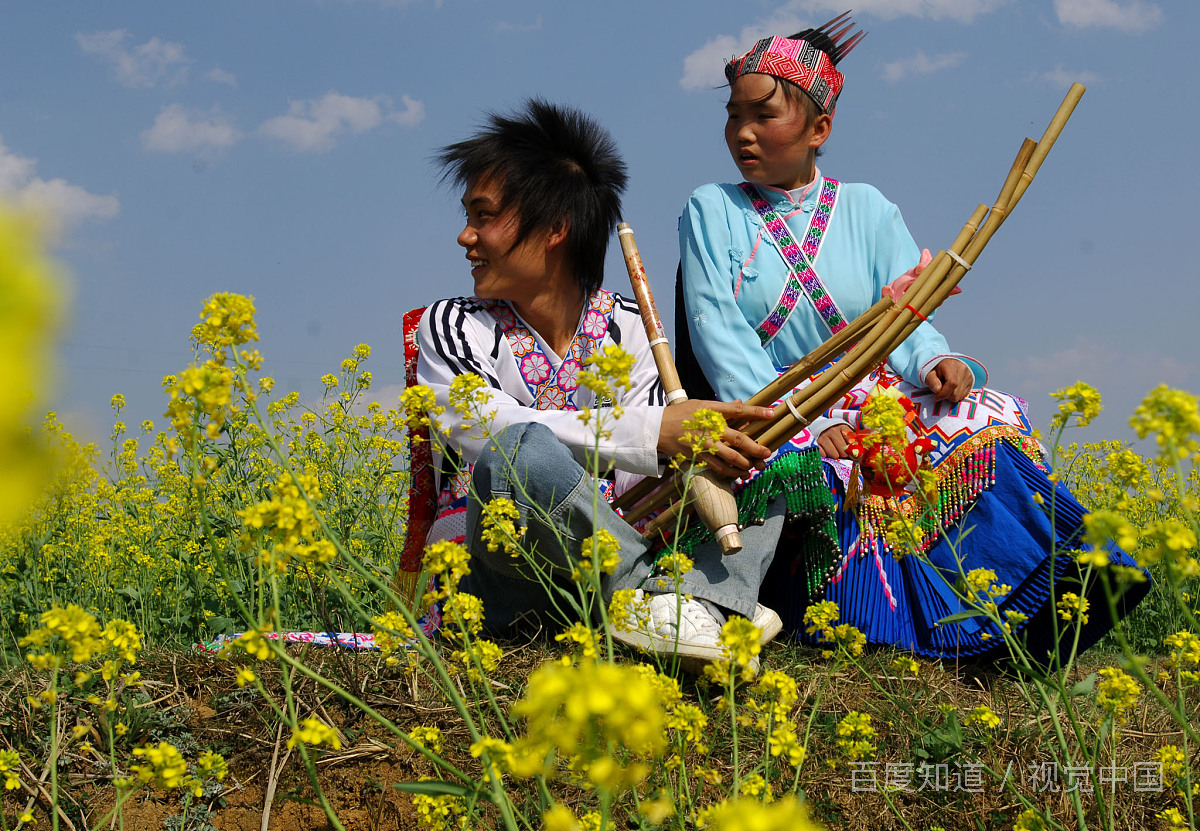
[[809, 59]]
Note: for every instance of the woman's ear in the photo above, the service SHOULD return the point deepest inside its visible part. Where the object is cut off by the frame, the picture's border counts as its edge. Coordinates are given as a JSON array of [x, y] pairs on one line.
[[822, 126]]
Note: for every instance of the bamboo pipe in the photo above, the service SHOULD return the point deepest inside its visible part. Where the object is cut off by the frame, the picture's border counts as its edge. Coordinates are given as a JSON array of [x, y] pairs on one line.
[[709, 493], [1049, 137], [928, 292]]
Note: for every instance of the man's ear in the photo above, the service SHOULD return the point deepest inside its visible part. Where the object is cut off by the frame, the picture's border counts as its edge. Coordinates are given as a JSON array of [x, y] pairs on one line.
[[557, 236]]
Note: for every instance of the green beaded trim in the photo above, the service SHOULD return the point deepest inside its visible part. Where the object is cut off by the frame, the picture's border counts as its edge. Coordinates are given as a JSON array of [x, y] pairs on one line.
[[800, 479]]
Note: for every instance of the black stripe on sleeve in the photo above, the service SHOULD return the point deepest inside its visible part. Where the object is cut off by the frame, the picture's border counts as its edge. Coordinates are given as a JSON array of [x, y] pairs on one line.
[[448, 319]]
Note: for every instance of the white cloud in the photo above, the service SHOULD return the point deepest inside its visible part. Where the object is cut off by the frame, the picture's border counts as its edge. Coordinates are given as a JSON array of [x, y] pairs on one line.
[[61, 201], [920, 64], [176, 130], [1134, 16], [705, 67], [313, 126], [154, 62], [412, 114], [964, 11], [1062, 78], [221, 77], [507, 26], [1131, 370]]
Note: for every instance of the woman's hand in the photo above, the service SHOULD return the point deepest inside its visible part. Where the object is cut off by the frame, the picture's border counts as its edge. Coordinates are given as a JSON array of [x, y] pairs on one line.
[[950, 380], [835, 442], [895, 289], [734, 456]]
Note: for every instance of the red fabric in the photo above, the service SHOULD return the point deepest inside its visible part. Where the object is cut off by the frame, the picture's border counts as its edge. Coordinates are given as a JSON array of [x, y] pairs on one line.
[[422, 485]]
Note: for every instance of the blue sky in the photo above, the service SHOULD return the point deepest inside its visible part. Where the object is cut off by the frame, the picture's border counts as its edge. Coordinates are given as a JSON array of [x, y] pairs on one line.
[[280, 149]]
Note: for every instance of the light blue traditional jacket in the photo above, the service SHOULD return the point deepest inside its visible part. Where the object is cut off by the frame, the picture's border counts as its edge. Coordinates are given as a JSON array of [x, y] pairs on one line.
[[733, 276]]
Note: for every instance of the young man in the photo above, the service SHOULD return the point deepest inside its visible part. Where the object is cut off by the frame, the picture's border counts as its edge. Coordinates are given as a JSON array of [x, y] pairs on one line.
[[541, 191]]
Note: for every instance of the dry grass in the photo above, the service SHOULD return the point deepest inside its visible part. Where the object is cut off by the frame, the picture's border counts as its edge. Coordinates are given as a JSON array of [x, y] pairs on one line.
[[194, 702]]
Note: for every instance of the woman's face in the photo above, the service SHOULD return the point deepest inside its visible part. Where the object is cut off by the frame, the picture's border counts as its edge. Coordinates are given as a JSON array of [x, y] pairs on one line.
[[770, 138]]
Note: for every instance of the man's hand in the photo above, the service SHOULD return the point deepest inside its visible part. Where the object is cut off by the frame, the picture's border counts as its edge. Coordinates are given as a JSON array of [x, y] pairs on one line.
[[950, 380], [835, 442], [736, 454]]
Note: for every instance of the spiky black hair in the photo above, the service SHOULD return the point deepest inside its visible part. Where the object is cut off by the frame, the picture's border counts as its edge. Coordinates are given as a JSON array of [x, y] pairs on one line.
[[555, 167]]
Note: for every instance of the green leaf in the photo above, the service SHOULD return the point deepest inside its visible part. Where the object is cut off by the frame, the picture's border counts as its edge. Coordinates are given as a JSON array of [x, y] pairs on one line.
[[1084, 687], [433, 788], [955, 618]]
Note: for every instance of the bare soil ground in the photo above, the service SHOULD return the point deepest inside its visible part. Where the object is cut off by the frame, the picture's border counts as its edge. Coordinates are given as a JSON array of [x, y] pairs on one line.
[[194, 702]]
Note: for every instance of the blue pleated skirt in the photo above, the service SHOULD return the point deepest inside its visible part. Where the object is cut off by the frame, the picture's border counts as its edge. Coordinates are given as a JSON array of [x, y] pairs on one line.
[[900, 601]]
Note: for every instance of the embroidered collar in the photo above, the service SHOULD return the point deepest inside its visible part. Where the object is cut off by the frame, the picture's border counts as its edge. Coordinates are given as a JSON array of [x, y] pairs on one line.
[[554, 389]]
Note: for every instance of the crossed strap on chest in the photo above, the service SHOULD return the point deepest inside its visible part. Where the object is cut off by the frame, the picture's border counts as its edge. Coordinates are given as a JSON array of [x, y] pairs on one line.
[[802, 279]]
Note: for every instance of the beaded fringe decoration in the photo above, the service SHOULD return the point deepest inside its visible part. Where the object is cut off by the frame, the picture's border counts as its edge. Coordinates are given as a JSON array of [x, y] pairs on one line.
[[968, 471], [800, 480]]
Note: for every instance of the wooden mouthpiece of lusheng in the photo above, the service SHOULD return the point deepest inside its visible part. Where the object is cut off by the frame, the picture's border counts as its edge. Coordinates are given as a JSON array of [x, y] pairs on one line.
[[714, 503]]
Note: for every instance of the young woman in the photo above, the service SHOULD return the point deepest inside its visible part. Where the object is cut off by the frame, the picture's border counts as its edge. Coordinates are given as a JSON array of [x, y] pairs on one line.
[[770, 268]]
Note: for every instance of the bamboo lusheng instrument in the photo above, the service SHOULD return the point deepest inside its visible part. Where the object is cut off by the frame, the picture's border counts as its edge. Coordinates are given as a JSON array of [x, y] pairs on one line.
[[885, 325], [708, 493]]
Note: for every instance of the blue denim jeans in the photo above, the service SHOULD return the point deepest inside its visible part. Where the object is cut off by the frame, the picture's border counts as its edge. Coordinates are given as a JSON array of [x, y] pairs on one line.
[[559, 508]]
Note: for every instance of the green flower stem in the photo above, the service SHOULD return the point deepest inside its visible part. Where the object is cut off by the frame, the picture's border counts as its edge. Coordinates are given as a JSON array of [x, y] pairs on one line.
[[425, 647], [895, 811]]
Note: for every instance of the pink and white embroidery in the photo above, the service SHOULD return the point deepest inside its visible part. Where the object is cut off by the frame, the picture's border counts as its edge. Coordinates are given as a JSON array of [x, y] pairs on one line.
[[552, 398], [568, 375], [595, 324], [535, 368], [521, 343]]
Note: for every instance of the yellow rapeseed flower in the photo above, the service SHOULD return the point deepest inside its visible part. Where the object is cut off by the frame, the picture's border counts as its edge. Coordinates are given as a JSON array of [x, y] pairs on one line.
[[606, 372], [227, 320], [741, 639], [607, 550], [585, 712], [1172, 416], [820, 616], [1072, 607], [68, 630], [702, 430], [499, 530], [470, 395], [1116, 693], [1185, 655], [1079, 401], [429, 738], [28, 314], [855, 735], [787, 814], [313, 731], [1031, 820], [165, 766], [449, 563], [629, 610], [211, 765], [983, 717]]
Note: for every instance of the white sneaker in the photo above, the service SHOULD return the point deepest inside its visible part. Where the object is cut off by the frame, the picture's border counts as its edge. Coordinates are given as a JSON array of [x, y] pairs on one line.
[[768, 622], [689, 629]]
